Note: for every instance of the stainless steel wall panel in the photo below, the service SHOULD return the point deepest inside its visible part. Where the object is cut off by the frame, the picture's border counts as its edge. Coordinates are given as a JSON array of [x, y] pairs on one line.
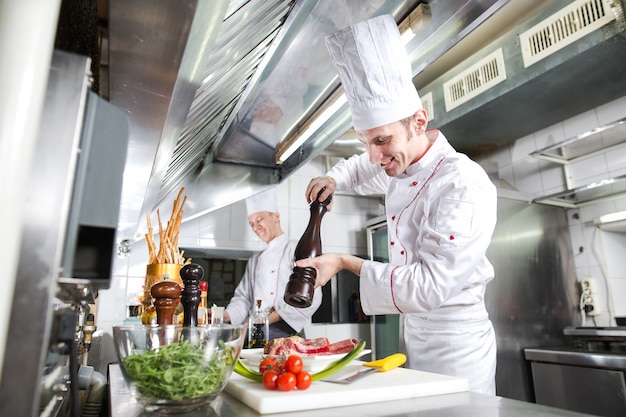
[[533, 296]]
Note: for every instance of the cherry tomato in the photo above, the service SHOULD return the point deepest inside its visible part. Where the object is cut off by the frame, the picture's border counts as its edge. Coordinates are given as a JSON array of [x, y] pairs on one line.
[[268, 363], [294, 364], [270, 379], [286, 381], [303, 380]]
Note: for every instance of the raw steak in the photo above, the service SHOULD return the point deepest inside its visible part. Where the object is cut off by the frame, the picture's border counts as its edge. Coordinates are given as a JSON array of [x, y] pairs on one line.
[[299, 346]]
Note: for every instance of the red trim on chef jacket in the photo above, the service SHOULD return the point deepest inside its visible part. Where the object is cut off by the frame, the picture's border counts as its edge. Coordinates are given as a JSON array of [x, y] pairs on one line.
[[393, 299]]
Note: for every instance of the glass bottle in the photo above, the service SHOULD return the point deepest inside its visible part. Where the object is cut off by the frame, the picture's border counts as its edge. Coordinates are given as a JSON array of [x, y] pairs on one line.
[[203, 310], [258, 328], [301, 285]]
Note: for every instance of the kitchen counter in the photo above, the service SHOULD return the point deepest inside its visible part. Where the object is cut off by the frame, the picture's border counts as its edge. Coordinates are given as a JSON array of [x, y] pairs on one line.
[[122, 404]]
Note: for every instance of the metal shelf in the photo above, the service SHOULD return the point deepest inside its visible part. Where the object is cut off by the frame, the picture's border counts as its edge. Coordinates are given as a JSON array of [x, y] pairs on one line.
[[608, 189], [592, 142], [599, 140]]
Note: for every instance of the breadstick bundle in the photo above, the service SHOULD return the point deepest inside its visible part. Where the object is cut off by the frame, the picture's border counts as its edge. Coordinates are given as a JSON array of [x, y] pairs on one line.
[[168, 252]]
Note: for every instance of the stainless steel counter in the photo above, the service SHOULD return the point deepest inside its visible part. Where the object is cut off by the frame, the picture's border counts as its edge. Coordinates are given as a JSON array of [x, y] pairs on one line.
[[122, 404], [577, 357], [572, 377]]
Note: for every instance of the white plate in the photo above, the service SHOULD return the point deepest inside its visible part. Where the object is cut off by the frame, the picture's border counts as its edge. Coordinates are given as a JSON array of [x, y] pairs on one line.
[[312, 363]]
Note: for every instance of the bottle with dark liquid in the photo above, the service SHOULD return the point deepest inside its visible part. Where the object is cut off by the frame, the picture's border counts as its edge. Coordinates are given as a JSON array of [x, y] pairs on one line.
[[258, 328], [301, 285]]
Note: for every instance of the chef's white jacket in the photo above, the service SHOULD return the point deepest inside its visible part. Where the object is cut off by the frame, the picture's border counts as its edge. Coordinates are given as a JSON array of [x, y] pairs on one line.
[[265, 278], [441, 214]]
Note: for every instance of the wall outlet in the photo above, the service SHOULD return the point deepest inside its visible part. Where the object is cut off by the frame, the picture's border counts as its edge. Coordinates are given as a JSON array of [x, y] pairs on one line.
[[590, 300]]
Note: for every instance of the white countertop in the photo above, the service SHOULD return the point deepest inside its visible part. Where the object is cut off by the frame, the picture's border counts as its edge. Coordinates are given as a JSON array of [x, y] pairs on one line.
[[463, 404]]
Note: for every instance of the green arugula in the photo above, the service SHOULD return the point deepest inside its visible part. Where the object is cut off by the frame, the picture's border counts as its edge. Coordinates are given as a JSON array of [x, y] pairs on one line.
[[179, 370]]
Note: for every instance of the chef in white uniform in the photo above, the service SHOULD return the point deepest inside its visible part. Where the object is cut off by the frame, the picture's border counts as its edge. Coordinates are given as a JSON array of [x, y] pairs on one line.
[[268, 272], [440, 209]]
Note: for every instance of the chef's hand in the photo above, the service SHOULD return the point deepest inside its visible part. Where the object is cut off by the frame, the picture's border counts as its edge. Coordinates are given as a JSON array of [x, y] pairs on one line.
[[328, 264], [320, 188]]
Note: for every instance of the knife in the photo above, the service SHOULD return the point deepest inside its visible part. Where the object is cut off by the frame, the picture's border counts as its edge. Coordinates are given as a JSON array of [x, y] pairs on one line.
[[380, 365]]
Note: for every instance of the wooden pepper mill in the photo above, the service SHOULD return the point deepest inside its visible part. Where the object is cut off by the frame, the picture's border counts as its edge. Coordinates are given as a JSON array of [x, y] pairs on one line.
[[301, 285], [165, 294], [191, 274]]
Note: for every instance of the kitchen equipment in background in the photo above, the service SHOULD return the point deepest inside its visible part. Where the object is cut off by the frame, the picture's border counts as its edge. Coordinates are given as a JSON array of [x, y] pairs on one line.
[[353, 373], [587, 375], [385, 329], [68, 234]]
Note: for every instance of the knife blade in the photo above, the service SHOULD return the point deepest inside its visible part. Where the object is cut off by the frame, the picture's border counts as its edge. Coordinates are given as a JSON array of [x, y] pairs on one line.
[[380, 365]]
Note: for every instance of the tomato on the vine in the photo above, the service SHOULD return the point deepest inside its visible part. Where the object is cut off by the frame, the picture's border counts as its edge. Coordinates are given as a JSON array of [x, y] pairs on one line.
[[270, 379], [294, 364], [286, 381], [268, 363], [303, 380]]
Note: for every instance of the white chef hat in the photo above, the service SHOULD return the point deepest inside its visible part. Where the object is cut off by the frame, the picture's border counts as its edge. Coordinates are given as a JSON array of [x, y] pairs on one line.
[[375, 72], [263, 201]]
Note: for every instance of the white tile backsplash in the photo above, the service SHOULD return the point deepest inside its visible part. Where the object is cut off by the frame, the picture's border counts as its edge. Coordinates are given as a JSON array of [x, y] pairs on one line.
[[552, 177], [526, 175], [522, 147], [588, 170], [549, 136], [580, 123], [616, 161], [618, 289], [610, 112]]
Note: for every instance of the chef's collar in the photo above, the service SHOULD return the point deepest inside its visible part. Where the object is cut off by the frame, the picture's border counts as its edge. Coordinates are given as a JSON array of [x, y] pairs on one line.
[[277, 241], [431, 156]]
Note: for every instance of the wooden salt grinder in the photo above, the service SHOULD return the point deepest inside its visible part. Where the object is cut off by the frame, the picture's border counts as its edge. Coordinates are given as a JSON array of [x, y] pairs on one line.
[[191, 274], [165, 294]]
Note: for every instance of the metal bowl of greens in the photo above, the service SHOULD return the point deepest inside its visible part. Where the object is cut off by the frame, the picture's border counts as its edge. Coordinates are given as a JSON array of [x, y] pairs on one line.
[[176, 369]]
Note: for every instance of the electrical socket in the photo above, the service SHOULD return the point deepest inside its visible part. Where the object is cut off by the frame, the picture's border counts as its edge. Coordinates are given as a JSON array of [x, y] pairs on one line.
[[591, 302]]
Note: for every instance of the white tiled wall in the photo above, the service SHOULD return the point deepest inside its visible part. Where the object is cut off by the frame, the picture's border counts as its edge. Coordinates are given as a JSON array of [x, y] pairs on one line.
[[597, 254]]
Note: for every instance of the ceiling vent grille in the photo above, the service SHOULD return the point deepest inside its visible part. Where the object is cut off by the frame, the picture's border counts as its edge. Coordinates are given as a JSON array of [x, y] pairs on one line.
[[563, 28], [427, 104], [475, 80]]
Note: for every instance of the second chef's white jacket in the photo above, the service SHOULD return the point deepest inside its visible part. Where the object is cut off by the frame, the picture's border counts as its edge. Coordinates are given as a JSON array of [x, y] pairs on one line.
[[265, 278]]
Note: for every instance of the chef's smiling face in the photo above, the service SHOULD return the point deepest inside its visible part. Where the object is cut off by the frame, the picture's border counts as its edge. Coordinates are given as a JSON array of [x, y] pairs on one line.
[[265, 224], [396, 145]]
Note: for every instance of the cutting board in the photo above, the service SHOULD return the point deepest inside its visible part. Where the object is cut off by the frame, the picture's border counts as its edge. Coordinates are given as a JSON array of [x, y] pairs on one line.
[[397, 384]]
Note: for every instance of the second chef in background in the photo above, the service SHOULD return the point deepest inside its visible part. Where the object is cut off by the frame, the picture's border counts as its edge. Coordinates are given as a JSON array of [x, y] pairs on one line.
[[268, 272]]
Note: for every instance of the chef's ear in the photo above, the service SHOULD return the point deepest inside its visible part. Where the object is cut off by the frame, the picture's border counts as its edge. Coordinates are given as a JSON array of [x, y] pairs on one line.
[[420, 118]]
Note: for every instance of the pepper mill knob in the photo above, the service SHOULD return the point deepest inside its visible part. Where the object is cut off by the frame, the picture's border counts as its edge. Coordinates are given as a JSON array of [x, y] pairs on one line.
[[165, 294], [191, 275]]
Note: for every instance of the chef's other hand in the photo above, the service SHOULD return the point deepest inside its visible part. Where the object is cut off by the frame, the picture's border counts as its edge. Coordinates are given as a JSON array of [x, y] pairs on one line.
[[320, 188], [326, 265]]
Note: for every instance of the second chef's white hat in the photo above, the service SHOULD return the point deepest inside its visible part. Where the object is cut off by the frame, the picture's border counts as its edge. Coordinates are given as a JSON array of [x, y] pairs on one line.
[[263, 201], [375, 72]]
